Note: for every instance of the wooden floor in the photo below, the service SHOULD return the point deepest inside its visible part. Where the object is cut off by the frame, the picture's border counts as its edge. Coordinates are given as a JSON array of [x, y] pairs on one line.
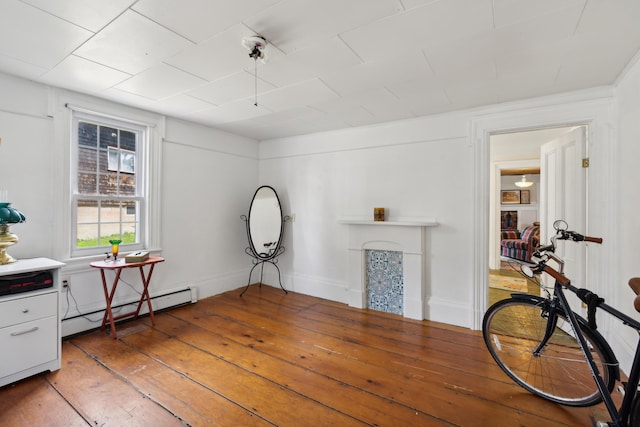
[[274, 359]]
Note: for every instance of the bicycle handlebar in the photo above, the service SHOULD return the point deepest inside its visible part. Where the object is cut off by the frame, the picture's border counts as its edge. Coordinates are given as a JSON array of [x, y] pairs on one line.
[[576, 237], [544, 253]]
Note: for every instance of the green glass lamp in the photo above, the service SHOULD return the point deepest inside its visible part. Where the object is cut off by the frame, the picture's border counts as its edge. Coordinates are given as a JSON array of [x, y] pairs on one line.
[[8, 216], [115, 244]]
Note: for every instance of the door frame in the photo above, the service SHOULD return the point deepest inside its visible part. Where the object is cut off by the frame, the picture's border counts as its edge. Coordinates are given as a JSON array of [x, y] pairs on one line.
[[495, 205], [597, 115]]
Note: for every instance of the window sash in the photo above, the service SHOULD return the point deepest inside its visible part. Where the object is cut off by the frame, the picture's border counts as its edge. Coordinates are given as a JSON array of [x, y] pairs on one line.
[[136, 172]]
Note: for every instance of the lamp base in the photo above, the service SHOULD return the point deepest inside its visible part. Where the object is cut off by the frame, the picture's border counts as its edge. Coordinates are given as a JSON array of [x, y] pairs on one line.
[[6, 239]]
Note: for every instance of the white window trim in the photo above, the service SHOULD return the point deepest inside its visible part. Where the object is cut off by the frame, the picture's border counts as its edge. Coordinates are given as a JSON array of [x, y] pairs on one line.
[[141, 177], [61, 104]]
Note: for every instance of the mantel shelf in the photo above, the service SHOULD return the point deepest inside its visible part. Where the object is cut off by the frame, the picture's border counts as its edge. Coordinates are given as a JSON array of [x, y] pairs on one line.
[[421, 222]]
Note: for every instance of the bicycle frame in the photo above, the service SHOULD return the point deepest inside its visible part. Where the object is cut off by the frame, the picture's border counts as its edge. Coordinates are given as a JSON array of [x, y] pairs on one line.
[[620, 418]]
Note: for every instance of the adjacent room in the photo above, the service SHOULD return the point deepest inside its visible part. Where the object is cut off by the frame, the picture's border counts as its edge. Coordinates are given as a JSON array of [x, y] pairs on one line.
[[295, 212]]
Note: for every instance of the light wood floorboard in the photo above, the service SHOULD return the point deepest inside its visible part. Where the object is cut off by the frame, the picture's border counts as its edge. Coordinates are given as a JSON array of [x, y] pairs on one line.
[[274, 359]]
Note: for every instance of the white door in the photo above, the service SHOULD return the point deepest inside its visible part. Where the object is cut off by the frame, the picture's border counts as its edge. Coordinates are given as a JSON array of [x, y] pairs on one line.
[[563, 196]]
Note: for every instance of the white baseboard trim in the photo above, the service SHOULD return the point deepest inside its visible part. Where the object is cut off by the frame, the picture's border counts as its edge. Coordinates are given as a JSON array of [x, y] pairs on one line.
[[317, 287], [81, 322], [450, 312]]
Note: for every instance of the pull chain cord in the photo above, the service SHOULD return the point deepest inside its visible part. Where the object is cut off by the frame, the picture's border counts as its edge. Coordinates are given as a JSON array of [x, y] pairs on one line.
[[255, 75]]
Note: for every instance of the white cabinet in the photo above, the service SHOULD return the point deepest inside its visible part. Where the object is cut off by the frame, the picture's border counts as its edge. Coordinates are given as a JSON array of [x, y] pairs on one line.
[[30, 334]]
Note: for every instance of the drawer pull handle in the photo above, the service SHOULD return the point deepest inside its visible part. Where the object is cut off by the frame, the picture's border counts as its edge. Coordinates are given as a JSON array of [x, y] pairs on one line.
[[25, 310], [15, 334]]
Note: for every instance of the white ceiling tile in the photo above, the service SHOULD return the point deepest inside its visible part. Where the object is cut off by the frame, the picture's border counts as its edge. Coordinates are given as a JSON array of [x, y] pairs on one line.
[[305, 93], [348, 110], [325, 57], [297, 113], [180, 105], [410, 4], [237, 86], [84, 76], [531, 58], [383, 105], [541, 30], [160, 81], [579, 67], [127, 98], [216, 57], [292, 24], [132, 43], [420, 27], [90, 14], [508, 12], [20, 68], [383, 72], [281, 71], [233, 111], [527, 83], [421, 96], [36, 37], [472, 93], [198, 20], [621, 22], [480, 48]]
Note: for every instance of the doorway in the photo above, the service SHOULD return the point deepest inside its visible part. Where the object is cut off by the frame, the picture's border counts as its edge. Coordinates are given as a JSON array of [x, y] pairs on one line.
[[516, 157]]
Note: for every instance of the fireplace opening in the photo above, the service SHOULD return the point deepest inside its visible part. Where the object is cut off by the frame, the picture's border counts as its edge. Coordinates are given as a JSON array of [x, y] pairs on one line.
[[385, 281]]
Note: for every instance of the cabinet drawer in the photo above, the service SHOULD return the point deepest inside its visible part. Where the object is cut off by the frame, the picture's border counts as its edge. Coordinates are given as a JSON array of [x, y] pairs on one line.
[[27, 309], [28, 344]]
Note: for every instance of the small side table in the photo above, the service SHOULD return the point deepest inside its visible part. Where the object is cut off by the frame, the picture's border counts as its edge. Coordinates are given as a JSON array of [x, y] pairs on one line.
[[118, 266]]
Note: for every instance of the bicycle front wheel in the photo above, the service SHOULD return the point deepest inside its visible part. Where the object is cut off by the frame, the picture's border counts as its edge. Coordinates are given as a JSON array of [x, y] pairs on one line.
[[514, 328]]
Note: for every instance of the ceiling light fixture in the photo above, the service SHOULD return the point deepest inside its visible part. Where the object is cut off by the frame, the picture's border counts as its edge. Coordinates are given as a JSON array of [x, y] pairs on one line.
[[523, 183], [256, 45]]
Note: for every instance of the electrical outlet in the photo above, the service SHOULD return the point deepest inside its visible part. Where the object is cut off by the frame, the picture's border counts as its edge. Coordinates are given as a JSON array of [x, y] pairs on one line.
[[66, 282], [292, 217]]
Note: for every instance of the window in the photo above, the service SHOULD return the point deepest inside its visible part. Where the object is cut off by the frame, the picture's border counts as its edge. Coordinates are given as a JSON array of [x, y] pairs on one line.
[[108, 199]]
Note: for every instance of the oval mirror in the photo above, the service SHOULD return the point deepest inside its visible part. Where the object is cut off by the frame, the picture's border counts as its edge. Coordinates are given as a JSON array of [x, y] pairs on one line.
[[265, 223]]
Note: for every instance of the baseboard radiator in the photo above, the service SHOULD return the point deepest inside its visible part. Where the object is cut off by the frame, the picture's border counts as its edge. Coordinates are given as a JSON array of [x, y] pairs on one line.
[[87, 321]]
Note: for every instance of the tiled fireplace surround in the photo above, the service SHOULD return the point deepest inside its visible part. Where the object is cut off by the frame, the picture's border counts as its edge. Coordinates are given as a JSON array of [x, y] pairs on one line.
[[407, 237]]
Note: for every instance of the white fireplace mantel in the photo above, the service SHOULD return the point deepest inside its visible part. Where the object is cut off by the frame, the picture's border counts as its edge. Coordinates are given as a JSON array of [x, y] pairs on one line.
[[406, 236], [413, 222]]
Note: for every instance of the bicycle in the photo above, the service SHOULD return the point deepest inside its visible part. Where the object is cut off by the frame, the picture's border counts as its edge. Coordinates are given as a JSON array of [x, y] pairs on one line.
[[554, 353]]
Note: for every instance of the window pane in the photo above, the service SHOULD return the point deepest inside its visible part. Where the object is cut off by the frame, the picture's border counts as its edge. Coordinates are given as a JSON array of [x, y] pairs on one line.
[[87, 183], [87, 160], [130, 222], [108, 137], [87, 235], [129, 234], [87, 134], [103, 161], [87, 229], [127, 185], [128, 140], [110, 217]]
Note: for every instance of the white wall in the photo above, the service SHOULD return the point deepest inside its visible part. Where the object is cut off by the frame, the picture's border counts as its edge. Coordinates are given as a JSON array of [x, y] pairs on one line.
[[423, 167], [207, 180], [417, 168], [625, 214]]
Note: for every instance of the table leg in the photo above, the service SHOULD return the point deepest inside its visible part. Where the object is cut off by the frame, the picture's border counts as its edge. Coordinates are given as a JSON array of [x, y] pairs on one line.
[[108, 296], [145, 293]]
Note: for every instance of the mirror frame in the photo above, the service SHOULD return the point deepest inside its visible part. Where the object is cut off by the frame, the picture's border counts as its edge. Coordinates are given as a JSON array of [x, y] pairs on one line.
[[278, 249]]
